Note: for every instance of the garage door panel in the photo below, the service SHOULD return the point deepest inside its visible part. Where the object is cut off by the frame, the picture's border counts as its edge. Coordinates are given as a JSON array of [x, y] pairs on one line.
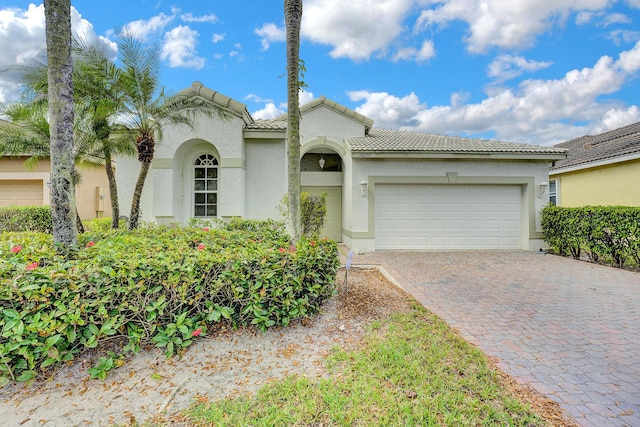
[[448, 216], [21, 193]]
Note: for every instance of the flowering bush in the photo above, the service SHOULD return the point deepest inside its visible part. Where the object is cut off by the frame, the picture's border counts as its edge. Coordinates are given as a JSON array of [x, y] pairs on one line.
[[152, 286]]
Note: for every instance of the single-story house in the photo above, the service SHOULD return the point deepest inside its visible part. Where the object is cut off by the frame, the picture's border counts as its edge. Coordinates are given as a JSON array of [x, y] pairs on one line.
[[23, 186], [599, 169], [386, 189]]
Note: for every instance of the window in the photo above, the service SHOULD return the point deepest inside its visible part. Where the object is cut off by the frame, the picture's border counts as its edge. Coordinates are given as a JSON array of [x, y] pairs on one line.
[[205, 186], [553, 192]]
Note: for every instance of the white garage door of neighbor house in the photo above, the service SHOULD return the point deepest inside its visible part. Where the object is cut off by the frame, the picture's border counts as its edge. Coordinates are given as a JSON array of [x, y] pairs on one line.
[[21, 193], [448, 216]]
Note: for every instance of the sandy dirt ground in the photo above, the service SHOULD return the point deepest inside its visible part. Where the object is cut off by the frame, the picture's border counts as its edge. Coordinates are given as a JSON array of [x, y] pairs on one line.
[[222, 364]]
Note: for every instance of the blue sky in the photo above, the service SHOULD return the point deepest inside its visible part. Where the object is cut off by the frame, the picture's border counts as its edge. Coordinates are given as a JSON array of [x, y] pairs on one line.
[[531, 71]]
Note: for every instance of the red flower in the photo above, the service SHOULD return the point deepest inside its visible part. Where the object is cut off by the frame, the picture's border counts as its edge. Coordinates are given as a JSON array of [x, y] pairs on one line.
[[91, 243], [197, 332], [32, 266], [206, 228], [201, 246], [281, 250], [292, 248], [16, 249], [312, 243]]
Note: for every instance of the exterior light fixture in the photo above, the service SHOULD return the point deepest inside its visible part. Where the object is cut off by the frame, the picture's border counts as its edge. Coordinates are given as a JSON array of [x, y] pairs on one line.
[[363, 188], [321, 162], [542, 187]]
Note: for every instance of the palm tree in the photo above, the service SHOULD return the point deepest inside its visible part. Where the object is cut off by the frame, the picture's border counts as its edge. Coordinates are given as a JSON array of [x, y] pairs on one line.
[[97, 101], [293, 18], [60, 76], [147, 107], [27, 134]]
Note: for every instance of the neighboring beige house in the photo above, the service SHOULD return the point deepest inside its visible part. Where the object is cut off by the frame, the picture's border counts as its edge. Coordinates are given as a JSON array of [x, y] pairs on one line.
[[22, 186], [602, 169], [386, 189]]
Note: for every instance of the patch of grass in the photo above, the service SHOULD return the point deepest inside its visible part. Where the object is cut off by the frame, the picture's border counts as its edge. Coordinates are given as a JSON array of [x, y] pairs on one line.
[[412, 370]]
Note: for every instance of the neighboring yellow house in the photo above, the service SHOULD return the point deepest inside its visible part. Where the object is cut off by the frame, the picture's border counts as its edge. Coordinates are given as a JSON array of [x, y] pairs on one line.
[[602, 169], [24, 187]]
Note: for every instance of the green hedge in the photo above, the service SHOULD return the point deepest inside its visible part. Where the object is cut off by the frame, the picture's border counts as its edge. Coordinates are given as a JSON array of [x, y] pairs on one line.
[[163, 286], [26, 218], [604, 233]]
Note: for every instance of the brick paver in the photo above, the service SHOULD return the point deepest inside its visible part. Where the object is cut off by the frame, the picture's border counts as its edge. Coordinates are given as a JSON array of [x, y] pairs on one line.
[[569, 329]]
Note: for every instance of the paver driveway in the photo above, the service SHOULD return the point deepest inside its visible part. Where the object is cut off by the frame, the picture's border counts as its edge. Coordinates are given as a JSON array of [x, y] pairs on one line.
[[569, 329]]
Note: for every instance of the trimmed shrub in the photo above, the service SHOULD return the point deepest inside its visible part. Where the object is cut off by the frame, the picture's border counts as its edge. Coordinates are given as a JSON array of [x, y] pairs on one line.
[[604, 233], [313, 211], [160, 286], [26, 218]]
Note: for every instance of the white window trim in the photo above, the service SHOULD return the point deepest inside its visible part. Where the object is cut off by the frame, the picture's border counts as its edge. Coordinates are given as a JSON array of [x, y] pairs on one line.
[[193, 189], [557, 192]]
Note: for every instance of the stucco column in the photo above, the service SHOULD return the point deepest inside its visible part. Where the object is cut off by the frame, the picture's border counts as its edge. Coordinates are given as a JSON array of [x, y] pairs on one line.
[[232, 188]]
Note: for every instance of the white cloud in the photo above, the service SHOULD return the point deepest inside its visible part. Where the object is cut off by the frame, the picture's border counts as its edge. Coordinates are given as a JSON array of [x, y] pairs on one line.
[[305, 97], [355, 29], [505, 24], [584, 18], [387, 110], [145, 28], [270, 111], [634, 3], [624, 36], [537, 111], [270, 33], [236, 53], [188, 17], [22, 37], [426, 52], [617, 118], [506, 67], [630, 59], [601, 18], [217, 38], [256, 98], [615, 18], [179, 48]]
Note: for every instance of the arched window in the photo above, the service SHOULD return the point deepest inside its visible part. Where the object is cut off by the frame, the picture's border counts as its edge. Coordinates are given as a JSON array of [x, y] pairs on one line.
[[205, 186]]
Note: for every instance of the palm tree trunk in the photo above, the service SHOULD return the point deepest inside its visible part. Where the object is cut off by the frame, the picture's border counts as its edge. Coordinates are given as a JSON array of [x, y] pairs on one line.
[[137, 195], [293, 18], [60, 71], [79, 224], [113, 188]]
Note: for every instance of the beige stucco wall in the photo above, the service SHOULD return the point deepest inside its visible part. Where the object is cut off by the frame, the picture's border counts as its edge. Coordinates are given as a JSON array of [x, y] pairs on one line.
[[92, 177], [323, 121], [615, 184]]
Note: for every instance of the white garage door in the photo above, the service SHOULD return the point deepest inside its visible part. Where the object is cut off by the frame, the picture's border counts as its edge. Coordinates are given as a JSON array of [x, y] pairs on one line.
[[448, 217], [21, 193]]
